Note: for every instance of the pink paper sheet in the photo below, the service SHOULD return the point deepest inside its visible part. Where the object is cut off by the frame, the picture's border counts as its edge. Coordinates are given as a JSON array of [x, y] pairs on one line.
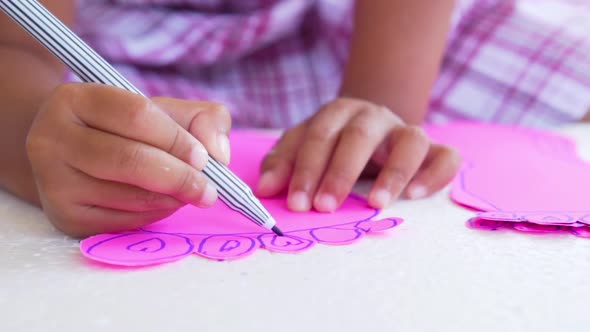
[[222, 234], [519, 178]]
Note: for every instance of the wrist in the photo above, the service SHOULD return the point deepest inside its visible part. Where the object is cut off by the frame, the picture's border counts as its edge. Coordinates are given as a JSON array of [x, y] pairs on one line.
[[410, 106]]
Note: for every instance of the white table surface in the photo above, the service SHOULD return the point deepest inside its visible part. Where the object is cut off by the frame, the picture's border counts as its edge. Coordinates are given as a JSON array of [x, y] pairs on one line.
[[429, 274]]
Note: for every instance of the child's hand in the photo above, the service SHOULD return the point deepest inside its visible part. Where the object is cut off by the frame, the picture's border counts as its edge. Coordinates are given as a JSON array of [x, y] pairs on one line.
[[321, 159], [107, 160]]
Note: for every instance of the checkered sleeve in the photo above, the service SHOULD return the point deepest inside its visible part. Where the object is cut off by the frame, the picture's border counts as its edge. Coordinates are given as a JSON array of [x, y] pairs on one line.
[[516, 61]]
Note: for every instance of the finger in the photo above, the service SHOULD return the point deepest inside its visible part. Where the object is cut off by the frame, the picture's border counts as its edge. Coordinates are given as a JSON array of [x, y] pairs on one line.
[[67, 193], [409, 146], [277, 165], [128, 115], [114, 158], [82, 221], [209, 122], [314, 154], [439, 168], [117, 196], [355, 146]]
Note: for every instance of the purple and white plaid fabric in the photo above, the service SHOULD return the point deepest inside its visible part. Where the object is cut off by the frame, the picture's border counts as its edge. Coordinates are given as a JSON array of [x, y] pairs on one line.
[[274, 62]]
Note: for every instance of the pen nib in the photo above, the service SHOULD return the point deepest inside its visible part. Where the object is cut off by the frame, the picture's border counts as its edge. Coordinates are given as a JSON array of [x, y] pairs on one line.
[[277, 231]]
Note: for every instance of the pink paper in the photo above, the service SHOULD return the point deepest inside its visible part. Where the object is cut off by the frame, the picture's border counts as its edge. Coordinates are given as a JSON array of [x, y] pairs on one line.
[[222, 234], [494, 225], [518, 175]]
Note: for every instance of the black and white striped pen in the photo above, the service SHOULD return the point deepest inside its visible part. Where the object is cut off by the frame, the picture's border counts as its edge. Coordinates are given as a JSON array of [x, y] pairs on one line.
[[91, 67]]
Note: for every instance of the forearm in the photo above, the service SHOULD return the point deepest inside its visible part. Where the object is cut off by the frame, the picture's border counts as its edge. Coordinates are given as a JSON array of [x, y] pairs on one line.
[[395, 54], [28, 73], [25, 82]]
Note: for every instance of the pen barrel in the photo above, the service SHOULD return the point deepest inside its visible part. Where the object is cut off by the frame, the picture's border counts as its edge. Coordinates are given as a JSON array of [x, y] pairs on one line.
[[236, 194], [91, 67]]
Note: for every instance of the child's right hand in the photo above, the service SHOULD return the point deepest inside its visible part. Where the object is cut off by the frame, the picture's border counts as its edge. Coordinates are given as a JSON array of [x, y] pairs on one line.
[[108, 160]]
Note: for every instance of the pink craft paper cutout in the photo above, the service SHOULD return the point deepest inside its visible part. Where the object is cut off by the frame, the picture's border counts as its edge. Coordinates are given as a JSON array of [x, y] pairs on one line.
[[579, 230], [220, 233], [523, 179]]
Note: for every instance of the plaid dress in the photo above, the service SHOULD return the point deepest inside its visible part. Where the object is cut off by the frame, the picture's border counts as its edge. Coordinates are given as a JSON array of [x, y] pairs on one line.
[[274, 62]]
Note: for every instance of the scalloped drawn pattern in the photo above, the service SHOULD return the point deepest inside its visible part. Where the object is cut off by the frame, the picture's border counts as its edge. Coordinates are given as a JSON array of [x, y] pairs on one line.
[[220, 233], [523, 179], [579, 230]]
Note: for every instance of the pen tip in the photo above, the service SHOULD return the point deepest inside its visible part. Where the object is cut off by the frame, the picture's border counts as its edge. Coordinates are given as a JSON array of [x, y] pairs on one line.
[[277, 231]]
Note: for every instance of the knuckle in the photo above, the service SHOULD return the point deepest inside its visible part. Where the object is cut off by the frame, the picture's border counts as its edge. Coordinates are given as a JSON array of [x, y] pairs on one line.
[[340, 177], [61, 97], [71, 227], [34, 143], [373, 110], [185, 183], [223, 115], [176, 146], [360, 130], [130, 159], [320, 131], [199, 189], [347, 103], [272, 160], [416, 133], [149, 199], [397, 175], [288, 138], [220, 109], [385, 115], [66, 91], [383, 110], [44, 140], [137, 111], [189, 185], [340, 103], [452, 156], [277, 161], [216, 111], [303, 179], [69, 222], [280, 152]]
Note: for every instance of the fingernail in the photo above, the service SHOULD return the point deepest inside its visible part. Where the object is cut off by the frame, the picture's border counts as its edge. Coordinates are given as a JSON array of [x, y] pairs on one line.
[[382, 197], [326, 203], [417, 192], [299, 201], [209, 196], [198, 157], [223, 143]]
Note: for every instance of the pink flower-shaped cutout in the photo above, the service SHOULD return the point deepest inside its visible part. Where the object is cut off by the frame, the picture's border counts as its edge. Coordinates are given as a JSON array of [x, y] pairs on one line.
[[222, 234], [523, 179]]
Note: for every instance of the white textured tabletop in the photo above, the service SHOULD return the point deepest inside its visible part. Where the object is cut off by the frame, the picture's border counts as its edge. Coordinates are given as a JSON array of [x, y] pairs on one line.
[[429, 274]]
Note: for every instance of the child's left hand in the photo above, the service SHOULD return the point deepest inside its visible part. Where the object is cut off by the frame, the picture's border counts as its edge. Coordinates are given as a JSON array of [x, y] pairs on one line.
[[320, 160]]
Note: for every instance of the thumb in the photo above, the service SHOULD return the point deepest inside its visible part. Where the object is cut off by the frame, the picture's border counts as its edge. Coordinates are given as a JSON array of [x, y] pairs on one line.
[[209, 122]]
